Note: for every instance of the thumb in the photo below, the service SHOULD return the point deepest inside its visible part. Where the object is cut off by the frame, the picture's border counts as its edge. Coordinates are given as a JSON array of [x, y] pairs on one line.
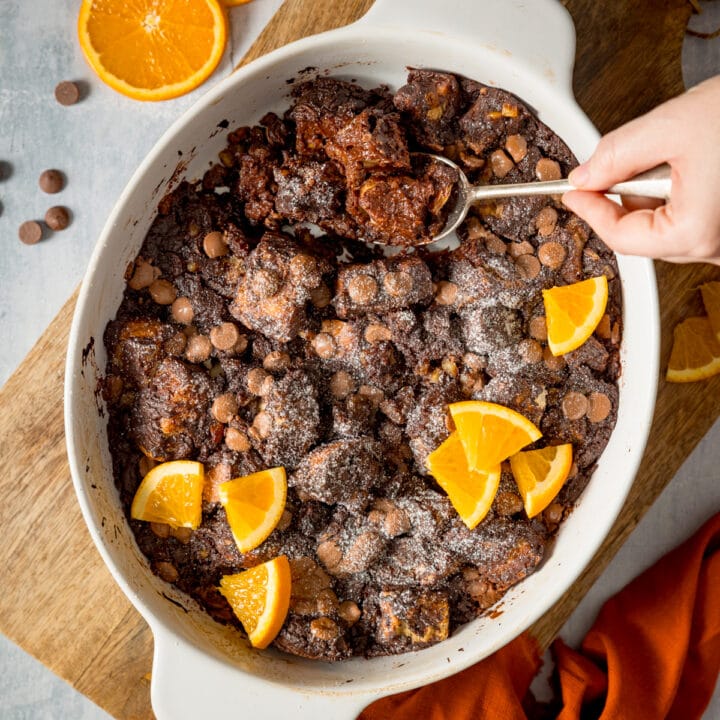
[[639, 145]]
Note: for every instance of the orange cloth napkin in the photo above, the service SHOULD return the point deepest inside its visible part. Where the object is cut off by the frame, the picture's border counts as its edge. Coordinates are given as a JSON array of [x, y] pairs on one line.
[[652, 654]]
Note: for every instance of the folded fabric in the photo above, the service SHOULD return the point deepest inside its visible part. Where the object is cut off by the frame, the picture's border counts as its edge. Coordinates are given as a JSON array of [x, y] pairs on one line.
[[652, 654]]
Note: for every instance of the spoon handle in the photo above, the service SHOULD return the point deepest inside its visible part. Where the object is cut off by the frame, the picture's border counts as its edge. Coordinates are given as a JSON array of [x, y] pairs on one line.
[[655, 183]]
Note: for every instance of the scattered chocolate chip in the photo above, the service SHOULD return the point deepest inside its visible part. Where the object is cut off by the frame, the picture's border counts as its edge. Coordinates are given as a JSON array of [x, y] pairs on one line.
[[224, 336], [214, 245], [538, 328], [547, 169], [516, 145], [224, 408], [51, 181], [198, 348], [529, 266], [30, 232], [600, 407], [162, 292], [398, 284], [57, 218], [67, 92], [501, 164], [237, 440], [446, 293], [574, 405], [546, 221], [552, 254], [182, 311], [530, 351], [362, 289]]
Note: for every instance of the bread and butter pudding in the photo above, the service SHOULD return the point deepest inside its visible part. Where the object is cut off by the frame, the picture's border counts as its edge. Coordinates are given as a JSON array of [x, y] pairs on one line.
[[247, 340]]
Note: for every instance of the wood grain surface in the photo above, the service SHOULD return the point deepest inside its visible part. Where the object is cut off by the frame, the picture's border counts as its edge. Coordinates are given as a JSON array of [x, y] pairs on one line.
[[60, 603]]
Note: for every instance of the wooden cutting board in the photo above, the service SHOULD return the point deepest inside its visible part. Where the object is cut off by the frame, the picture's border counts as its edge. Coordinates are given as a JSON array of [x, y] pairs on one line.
[[60, 603]]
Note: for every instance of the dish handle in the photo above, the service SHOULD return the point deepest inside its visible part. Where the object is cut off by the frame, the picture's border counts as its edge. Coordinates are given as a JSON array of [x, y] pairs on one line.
[[188, 684], [540, 33]]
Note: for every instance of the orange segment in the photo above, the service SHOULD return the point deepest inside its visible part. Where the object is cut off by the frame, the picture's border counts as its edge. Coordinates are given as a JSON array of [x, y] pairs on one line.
[[540, 474], [491, 433], [152, 49], [254, 505], [471, 493], [573, 312], [171, 493], [711, 300], [695, 352], [260, 598]]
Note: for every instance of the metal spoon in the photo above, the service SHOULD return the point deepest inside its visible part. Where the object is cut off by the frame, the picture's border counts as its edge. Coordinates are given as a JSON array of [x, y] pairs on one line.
[[654, 183]]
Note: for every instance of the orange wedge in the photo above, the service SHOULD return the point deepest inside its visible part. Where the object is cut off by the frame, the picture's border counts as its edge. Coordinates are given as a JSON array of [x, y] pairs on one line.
[[171, 493], [711, 300], [491, 433], [260, 598], [234, 3], [540, 474], [471, 493], [695, 352], [152, 49], [254, 505], [573, 312]]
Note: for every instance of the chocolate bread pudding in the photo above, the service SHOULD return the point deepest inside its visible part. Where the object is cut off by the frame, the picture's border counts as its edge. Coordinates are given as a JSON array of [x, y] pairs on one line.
[[260, 329]]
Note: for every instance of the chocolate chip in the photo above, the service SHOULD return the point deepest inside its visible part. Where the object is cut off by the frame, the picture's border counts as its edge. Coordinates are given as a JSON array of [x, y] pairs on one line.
[[224, 336], [362, 289], [552, 254], [67, 93], [538, 328], [51, 181], [529, 266], [30, 232], [198, 348], [501, 163], [547, 169], [57, 218], [163, 292], [574, 405], [214, 245], [516, 145], [516, 249], [398, 284], [182, 311], [237, 440], [375, 333], [600, 407], [546, 221], [530, 351], [224, 408]]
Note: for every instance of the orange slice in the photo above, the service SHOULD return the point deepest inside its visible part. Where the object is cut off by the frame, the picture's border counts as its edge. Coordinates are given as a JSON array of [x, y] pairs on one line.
[[171, 493], [573, 312], [540, 474], [234, 3], [152, 49], [471, 493], [254, 505], [491, 433], [711, 300], [695, 352], [260, 599]]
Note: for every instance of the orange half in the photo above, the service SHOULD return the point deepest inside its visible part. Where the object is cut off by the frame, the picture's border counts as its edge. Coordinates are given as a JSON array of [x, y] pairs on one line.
[[491, 433], [572, 313], [171, 493], [254, 505], [152, 49], [260, 599], [471, 493], [695, 352], [540, 474]]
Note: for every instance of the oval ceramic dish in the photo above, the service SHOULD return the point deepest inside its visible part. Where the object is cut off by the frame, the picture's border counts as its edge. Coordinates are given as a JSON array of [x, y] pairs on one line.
[[201, 668]]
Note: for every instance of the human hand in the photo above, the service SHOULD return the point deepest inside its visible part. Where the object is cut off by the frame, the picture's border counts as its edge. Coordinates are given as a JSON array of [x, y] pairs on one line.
[[683, 132]]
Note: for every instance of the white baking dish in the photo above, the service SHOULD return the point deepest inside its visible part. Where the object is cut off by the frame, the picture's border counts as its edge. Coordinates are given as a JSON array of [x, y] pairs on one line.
[[202, 669]]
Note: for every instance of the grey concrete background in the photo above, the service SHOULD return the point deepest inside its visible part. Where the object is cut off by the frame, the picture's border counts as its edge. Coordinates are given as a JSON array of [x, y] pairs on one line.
[[98, 143]]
